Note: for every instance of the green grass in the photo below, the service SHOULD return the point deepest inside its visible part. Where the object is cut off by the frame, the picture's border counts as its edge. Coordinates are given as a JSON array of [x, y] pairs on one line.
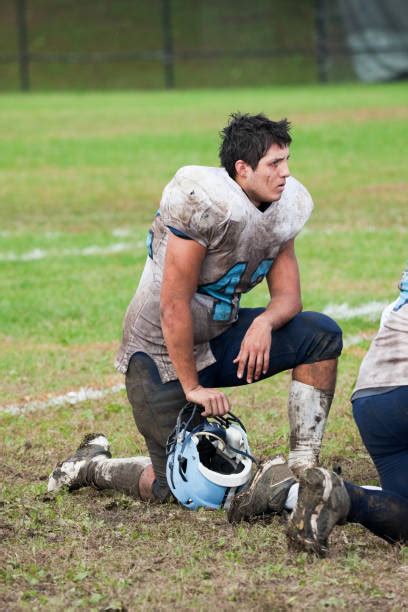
[[87, 170]]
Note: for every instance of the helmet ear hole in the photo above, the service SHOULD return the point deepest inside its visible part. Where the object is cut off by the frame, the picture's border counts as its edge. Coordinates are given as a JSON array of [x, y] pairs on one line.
[[183, 464]]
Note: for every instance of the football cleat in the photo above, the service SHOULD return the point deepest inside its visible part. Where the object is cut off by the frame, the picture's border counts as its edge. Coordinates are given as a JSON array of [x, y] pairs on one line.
[[68, 474], [265, 494], [323, 502]]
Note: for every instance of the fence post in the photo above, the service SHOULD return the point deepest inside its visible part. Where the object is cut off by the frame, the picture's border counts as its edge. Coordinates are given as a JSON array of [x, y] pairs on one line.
[[321, 41], [23, 55], [168, 60]]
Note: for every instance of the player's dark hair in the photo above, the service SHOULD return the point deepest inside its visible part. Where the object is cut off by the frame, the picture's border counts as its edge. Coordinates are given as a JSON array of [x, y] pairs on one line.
[[248, 137]]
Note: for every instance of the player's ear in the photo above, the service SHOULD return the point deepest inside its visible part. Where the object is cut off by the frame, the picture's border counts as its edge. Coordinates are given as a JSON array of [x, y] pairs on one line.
[[241, 169]]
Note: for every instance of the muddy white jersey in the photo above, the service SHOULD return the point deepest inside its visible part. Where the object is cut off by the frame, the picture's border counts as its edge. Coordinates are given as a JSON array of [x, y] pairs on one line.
[[386, 362], [204, 204]]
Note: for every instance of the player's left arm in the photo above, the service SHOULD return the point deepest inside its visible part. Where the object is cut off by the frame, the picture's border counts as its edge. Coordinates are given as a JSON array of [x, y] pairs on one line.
[[284, 289]]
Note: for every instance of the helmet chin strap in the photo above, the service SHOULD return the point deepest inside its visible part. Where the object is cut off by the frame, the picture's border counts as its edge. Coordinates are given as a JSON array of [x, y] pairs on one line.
[[245, 454], [180, 426]]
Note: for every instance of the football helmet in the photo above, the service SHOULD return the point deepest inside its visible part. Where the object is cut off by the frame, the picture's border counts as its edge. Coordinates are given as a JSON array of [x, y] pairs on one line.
[[208, 462]]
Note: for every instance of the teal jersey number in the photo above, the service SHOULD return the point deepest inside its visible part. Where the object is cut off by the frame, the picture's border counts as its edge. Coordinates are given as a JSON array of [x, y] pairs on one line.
[[149, 243], [261, 271], [225, 288], [403, 287]]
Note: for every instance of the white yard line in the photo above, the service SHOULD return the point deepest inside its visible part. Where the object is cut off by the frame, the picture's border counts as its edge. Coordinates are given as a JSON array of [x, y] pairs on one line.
[[35, 254], [371, 311], [85, 393], [125, 232], [122, 232], [72, 397], [357, 339]]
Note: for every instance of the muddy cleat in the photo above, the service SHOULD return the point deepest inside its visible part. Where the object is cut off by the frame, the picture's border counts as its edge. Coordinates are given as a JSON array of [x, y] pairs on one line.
[[323, 502], [67, 473], [266, 493]]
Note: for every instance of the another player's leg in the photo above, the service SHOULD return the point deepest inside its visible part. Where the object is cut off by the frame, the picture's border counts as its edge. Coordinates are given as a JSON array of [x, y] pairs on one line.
[[384, 513], [382, 419], [92, 465], [323, 502]]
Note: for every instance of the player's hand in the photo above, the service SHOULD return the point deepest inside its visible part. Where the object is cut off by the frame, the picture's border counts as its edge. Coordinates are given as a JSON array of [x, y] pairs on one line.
[[214, 401], [254, 351]]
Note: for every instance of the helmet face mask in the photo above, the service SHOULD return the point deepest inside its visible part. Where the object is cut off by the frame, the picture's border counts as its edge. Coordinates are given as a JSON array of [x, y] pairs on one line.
[[209, 462]]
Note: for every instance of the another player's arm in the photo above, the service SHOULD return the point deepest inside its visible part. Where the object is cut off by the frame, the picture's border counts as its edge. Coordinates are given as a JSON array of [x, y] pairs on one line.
[[180, 279], [284, 289]]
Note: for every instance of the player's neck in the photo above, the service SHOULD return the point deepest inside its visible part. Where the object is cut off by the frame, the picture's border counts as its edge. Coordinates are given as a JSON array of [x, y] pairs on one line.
[[248, 195], [261, 206]]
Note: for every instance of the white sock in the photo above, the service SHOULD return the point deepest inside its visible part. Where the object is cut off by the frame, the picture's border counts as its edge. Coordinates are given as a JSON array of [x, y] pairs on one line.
[[308, 408], [292, 497]]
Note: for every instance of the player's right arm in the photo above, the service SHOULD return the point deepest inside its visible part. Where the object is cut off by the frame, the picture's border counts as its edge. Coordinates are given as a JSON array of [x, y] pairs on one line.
[[180, 279]]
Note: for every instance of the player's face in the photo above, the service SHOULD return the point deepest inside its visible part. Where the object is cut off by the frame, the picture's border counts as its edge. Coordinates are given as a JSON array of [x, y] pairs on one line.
[[267, 182]]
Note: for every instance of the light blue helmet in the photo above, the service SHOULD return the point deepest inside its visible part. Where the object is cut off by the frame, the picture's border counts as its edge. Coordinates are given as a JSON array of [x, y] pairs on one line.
[[207, 464]]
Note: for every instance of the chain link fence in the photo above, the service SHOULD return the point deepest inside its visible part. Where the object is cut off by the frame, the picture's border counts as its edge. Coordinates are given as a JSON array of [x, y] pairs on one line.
[[131, 44]]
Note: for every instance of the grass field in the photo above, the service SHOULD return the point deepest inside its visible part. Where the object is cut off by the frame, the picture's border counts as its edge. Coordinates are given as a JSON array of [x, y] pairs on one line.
[[81, 178]]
